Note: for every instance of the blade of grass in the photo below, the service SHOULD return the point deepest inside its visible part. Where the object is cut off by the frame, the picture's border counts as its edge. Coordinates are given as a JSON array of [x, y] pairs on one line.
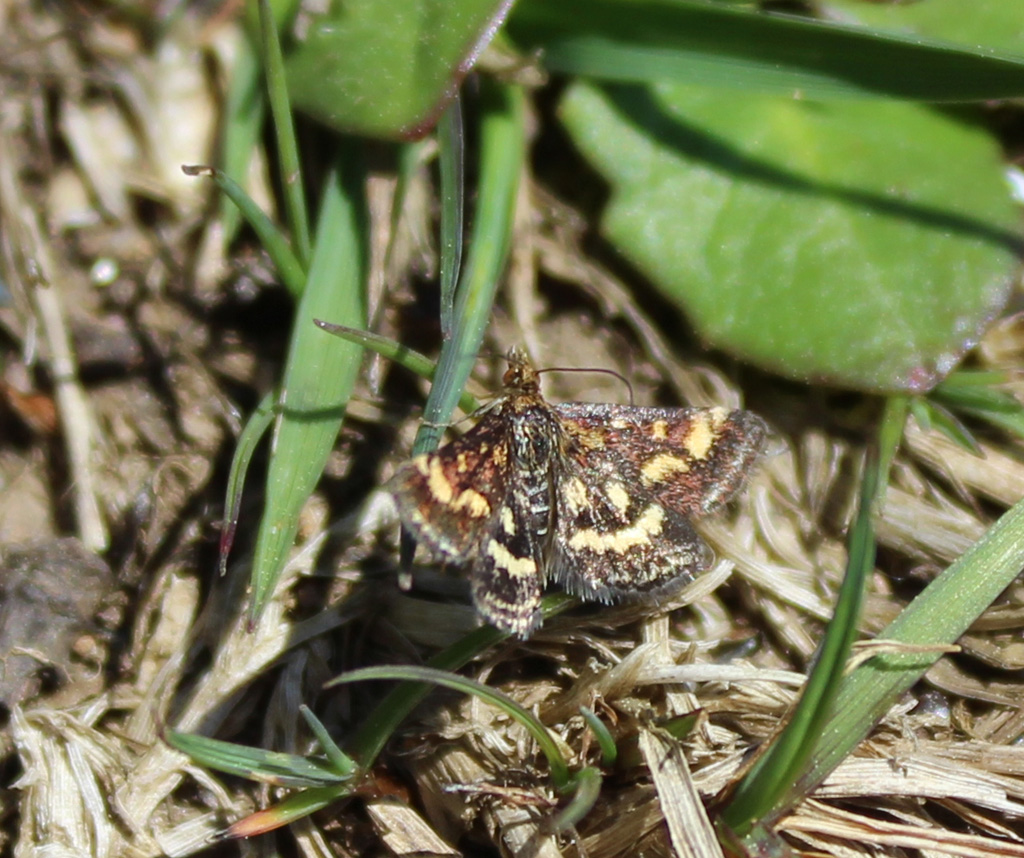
[[894, 418], [411, 157], [940, 614], [502, 155], [716, 44], [587, 784], [681, 726], [320, 370], [978, 398], [291, 270], [292, 809], [255, 427], [341, 761], [772, 775], [244, 110], [284, 130], [374, 731], [402, 355], [1013, 423], [452, 154], [367, 741], [977, 394], [973, 378], [922, 413], [415, 673], [931, 414], [609, 752], [255, 764]]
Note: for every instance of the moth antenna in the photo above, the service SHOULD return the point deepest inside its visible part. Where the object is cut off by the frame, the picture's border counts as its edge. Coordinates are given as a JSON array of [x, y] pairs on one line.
[[618, 375]]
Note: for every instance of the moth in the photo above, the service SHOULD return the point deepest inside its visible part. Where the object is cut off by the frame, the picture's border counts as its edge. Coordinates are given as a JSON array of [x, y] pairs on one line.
[[597, 498]]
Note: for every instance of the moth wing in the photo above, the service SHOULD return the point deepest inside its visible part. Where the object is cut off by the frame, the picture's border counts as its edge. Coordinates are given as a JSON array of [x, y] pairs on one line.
[[449, 498], [459, 502], [614, 541], [690, 460], [508, 571]]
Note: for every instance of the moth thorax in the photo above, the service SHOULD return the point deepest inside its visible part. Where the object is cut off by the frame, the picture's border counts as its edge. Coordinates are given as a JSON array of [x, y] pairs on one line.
[[532, 447]]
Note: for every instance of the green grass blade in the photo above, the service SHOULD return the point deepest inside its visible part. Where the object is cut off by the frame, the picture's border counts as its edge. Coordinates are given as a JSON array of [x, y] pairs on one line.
[[255, 427], [929, 414], [402, 355], [284, 131], [244, 110], [587, 783], [977, 394], [417, 674], [373, 733], [341, 761], [292, 271], [922, 413], [255, 764], [320, 371], [609, 751], [978, 399], [1013, 423], [973, 378], [770, 779], [894, 418], [369, 739], [411, 157], [737, 47], [939, 615], [502, 155], [452, 154], [292, 809]]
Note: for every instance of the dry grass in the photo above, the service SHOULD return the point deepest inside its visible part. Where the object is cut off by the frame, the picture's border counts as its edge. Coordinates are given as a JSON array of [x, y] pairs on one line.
[[120, 393]]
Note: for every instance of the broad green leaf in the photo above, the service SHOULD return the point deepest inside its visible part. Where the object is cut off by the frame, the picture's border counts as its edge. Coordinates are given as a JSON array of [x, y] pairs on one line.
[[729, 46], [863, 244], [982, 24], [388, 69]]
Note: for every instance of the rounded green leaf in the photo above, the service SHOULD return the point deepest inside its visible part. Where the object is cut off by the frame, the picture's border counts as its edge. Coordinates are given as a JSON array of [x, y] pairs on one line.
[[388, 69], [863, 244]]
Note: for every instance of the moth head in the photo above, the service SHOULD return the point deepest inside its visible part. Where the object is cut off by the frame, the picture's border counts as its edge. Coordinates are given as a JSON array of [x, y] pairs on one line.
[[520, 375]]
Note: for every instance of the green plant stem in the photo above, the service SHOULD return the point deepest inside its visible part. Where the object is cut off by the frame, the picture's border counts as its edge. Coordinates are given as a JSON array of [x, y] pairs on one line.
[[939, 615], [766, 788], [502, 154], [284, 129]]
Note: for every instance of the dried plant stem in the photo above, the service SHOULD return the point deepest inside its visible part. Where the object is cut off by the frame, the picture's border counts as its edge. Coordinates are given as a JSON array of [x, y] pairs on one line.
[[38, 272]]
